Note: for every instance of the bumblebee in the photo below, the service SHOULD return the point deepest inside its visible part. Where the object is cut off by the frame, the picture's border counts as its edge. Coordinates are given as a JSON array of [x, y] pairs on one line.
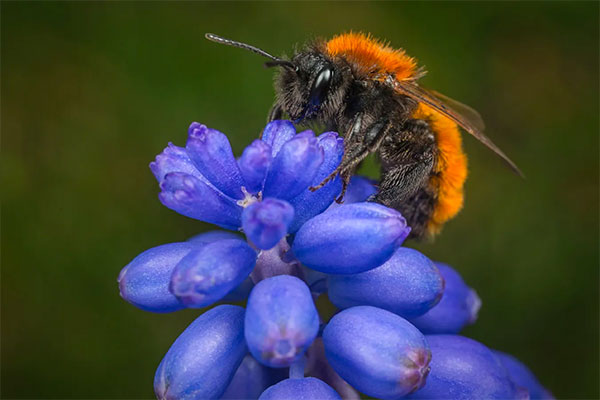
[[368, 92]]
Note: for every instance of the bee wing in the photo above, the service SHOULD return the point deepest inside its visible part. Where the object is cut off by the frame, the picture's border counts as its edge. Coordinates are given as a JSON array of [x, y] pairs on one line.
[[462, 109], [463, 115]]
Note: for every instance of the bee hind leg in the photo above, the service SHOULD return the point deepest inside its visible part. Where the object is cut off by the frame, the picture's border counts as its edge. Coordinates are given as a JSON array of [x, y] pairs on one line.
[[407, 160]]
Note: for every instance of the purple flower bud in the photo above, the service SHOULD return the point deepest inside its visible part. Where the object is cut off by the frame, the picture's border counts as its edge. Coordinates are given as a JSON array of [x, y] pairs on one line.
[[350, 239], [211, 152], [204, 358], [189, 196], [304, 388], [241, 292], [173, 159], [251, 379], [308, 204], [462, 368], [522, 376], [267, 221], [407, 284], [458, 307], [254, 164], [277, 132], [281, 320], [207, 274], [213, 236], [359, 189], [144, 282], [377, 352], [294, 168]]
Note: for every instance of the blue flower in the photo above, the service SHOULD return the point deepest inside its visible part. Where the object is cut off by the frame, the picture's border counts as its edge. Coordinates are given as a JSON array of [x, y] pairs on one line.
[[204, 181], [298, 245]]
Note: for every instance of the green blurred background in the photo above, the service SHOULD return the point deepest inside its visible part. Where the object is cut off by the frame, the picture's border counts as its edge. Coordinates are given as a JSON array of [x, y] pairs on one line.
[[91, 92]]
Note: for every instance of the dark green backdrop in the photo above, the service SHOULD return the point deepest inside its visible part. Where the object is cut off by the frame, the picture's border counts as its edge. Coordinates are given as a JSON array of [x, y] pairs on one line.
[[91, 92]]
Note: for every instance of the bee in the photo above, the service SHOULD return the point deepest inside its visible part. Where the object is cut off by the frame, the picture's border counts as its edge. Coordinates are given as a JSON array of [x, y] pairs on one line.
[[368, 92]]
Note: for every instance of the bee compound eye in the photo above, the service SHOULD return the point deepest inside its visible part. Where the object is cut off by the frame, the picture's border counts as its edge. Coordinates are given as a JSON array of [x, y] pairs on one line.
[[320, 85]]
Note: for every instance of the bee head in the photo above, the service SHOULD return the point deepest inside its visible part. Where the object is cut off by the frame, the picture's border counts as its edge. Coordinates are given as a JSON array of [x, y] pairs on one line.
[[312, 90], [309, 87]]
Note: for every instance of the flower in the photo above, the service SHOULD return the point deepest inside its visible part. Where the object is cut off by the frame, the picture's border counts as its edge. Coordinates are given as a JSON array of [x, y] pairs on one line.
[[298, 245]]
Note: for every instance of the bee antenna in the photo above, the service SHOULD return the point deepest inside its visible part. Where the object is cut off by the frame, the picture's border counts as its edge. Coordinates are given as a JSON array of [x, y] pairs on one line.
[[281, 63], [276, 61]]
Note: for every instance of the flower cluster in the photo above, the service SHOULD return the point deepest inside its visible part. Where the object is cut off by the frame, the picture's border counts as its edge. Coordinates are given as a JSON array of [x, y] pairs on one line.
[[395, 335]]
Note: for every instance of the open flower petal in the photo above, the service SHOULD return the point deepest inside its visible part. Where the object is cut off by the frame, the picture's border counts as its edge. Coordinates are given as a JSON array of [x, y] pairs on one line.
[[254, 165], [211, 152], [277, 132], [173, 159], [308, 204], [294, 167], [193, 198]]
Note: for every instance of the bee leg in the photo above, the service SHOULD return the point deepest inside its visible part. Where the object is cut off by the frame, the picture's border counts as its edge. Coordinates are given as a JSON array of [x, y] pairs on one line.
[[275, 113], [407, 160], [346, 175], [371, 140]]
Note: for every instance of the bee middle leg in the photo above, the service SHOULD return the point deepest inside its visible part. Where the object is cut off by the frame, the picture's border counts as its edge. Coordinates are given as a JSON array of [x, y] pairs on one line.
[[275, 113], [358, 144]]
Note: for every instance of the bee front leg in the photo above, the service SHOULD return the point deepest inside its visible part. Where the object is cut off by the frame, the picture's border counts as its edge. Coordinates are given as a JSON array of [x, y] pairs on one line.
[[275, 113]]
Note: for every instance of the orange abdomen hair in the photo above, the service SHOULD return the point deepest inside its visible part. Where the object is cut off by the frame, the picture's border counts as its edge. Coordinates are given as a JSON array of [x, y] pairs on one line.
[[371, 57], [450, 170]]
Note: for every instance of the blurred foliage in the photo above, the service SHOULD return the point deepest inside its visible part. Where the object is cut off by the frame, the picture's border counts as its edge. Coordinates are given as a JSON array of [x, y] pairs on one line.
[[92, 91]]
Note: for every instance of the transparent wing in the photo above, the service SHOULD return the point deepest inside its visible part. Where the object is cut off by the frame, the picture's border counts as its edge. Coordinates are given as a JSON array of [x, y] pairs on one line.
[[464, 110], [466, 118]]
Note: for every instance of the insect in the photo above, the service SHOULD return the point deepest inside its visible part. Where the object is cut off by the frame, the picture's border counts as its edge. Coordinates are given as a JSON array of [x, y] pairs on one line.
[[368, 92]]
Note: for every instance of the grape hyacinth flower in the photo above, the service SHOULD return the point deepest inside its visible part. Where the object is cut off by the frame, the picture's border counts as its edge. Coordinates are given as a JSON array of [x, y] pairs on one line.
[[296, 245]]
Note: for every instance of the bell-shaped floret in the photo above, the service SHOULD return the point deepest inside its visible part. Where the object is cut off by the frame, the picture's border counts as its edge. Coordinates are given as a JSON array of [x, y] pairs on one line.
[[458, 307], [276, 133], [350, 239], [202, 361], [213, 236], [211, 152], [190, 196], [251, 379], [173, 159], [207, 274], [408, 284], [254, 165], [308, 203], [377, 352], [522, 376], [462, 368], [266, 222], [144, 282], [281, 320], [294, 167], [300, 389]]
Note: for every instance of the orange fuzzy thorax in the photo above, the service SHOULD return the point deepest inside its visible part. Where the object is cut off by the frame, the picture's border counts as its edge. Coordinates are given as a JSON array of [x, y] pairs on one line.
[[450, 170], [371, 57]]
